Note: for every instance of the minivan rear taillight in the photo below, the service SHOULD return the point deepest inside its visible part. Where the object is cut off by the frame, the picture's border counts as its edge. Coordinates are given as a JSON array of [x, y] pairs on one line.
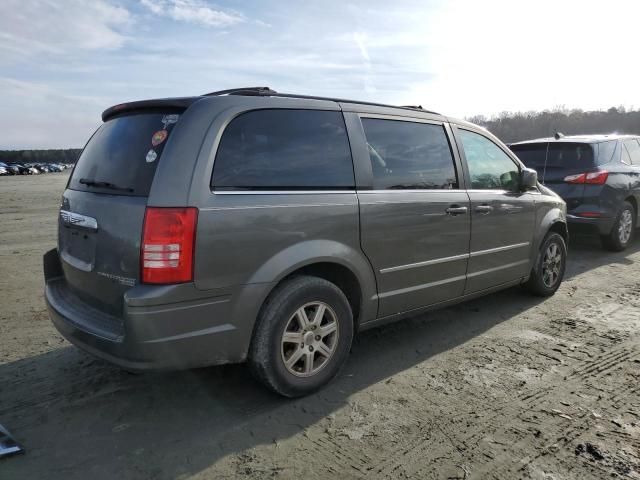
[[167, 246], [591, 178]]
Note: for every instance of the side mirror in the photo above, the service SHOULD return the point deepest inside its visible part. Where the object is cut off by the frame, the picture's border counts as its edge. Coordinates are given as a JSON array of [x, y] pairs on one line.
[[528, 178]]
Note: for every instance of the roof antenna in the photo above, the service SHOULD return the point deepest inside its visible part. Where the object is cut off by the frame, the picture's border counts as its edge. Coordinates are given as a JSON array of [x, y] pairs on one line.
[[558, 135]]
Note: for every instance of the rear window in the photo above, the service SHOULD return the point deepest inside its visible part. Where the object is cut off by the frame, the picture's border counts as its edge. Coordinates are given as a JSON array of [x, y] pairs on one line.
[[284, 150], [122, 156], [570, 156]]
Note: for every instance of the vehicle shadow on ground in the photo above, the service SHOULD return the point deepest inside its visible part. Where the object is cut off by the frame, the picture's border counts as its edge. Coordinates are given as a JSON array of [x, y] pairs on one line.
[[82, 418], [586, 253]]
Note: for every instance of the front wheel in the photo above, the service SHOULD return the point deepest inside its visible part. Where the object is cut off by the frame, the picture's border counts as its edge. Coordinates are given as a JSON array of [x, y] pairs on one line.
[[623, 229], [548, 272], [302, 337]]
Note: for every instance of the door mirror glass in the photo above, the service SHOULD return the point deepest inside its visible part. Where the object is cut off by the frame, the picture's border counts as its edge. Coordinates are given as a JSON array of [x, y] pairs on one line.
[[528, 178]]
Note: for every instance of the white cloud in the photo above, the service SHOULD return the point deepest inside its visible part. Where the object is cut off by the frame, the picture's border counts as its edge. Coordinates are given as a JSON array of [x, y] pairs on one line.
[[29, 27], [193, 11], [360, 40]]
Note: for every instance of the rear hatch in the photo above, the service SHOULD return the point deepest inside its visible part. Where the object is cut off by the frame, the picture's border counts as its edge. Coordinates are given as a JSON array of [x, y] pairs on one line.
[[103, 207], [555, 161]]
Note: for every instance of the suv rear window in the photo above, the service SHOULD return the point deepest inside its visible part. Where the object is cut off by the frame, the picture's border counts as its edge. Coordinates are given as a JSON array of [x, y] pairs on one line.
[[570, 156], [284, 150], [122, 156]]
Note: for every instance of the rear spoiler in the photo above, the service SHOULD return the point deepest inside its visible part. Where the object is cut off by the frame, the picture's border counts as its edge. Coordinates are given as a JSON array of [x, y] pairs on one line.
[[181, 103]]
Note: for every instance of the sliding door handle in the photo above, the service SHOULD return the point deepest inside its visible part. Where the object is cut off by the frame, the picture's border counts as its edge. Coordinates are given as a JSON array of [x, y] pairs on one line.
[[455, 210]]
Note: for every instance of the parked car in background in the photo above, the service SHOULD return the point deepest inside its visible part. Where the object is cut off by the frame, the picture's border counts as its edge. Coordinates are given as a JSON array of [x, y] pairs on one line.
[[598, 176], [34, 171], [22, 169], [3, 171], [252, 225]]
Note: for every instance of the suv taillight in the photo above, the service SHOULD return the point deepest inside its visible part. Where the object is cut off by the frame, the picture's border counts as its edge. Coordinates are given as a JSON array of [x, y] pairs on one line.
[[167, 246], [591, 178]]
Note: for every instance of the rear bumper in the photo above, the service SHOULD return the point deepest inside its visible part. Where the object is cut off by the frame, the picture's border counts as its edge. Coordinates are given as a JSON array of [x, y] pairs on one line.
[[600, 225], [161, 328]]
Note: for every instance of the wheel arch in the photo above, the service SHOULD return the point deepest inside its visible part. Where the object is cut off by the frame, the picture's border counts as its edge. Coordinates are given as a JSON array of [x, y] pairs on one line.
[[338, 263], [561, 228], [553, 221], [634, 203]]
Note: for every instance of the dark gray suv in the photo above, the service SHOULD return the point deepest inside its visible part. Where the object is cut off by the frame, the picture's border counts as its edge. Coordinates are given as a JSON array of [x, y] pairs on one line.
[[597, 175], [258, 226]]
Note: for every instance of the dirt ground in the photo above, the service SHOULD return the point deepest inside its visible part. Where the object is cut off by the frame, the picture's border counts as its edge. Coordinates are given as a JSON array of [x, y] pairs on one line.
[[507, 386]]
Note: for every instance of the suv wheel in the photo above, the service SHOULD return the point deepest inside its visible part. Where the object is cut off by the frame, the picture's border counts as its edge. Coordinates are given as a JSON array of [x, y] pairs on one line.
[[548, 272], [623, 229], [302, 337]]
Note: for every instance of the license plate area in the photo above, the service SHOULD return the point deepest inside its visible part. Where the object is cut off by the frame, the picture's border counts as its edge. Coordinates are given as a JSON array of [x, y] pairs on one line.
[[78, 248]]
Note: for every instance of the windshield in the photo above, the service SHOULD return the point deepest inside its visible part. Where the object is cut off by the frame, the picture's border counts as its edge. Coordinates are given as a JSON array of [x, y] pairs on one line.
[[122, 156]]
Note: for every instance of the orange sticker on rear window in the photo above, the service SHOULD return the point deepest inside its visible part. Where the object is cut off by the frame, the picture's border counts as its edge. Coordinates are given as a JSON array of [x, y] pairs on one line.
[[159, 137]]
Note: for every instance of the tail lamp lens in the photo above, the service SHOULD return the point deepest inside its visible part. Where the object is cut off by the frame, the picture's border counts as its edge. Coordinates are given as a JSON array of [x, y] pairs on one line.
[[597, 178], [590, 178], [167, 248]]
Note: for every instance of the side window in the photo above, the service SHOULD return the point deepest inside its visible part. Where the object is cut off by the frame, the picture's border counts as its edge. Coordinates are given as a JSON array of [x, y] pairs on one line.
[[607, 151], [284, 150], [409, 155], [626, 158], [489, 167], [631, 152]]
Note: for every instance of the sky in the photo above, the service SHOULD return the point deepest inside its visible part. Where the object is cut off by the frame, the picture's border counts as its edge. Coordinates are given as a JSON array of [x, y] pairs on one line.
[[62, 62]]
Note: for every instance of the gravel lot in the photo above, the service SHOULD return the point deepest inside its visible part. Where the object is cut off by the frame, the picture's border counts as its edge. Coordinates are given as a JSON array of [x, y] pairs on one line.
[[506, 387]]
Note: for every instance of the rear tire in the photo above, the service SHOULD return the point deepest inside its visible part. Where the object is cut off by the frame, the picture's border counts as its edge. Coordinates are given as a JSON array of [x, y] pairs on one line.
[[623, 230], [302, 337], [548, 271]]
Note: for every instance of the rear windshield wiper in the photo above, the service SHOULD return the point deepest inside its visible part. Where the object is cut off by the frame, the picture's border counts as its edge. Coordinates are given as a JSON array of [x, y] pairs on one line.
[[94, 183]]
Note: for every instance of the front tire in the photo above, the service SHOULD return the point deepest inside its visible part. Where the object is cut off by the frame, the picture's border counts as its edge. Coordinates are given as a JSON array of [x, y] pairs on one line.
[[548, 272], [302, 337], [621, 234]]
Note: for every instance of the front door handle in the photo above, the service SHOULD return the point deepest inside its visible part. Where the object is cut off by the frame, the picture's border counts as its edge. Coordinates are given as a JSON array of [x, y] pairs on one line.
[[455, 210], [484, 209]]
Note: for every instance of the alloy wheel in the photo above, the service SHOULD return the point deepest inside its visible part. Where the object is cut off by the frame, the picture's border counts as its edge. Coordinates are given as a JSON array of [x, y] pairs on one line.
[[309, 339], [625, 226], [551, 264]]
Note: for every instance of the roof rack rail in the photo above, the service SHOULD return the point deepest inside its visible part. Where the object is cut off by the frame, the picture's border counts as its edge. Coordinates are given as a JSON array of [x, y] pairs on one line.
[[268, 92], [257, 91]]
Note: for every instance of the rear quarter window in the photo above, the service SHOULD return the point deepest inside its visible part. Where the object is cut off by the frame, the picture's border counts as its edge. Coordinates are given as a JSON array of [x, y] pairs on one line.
[[631, 152], [607, 152], [123, 153], [284, 150]]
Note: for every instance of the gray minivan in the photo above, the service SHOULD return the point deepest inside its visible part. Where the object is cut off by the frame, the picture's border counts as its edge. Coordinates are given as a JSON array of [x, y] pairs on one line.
[[249, 225]]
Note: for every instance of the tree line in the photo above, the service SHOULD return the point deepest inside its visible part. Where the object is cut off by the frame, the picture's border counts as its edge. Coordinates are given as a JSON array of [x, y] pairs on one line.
[[513, 127], [68, 155]]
